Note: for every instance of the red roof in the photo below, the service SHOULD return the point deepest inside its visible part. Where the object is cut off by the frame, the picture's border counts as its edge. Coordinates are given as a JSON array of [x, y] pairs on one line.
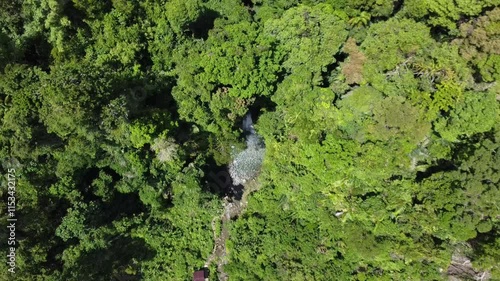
[[199, 275]]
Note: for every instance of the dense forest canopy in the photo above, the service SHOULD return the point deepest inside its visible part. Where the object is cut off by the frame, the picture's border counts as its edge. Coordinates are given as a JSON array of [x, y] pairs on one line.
[[377, 124]]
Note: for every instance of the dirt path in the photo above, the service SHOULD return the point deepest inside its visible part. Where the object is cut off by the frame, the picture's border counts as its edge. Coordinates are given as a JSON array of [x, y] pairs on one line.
[[232, 209]]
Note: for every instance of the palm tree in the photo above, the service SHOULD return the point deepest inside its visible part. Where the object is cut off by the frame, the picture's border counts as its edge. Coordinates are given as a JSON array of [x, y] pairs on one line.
[[361, 20]]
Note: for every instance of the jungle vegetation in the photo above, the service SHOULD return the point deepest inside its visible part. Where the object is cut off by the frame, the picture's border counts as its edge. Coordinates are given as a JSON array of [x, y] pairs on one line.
[[380, 120]]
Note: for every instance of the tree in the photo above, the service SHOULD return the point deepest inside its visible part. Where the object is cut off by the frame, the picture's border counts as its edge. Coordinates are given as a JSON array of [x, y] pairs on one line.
[[476, 113], [181, 13], [478, 45], [445, 13], [72, 97], [310, 35], [116, 40]]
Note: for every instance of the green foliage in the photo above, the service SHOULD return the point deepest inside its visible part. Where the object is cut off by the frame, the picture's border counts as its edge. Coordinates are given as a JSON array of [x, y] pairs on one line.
[[181, 13], [445, 13], [478, 113], [459, 203], [360, 20], [379, 120], [140, 134], [20, 101], [392, 41], [68, 95], [311, 35], [73, 224], [115, 40], [181, 237], [237, 70], [478, 44]]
